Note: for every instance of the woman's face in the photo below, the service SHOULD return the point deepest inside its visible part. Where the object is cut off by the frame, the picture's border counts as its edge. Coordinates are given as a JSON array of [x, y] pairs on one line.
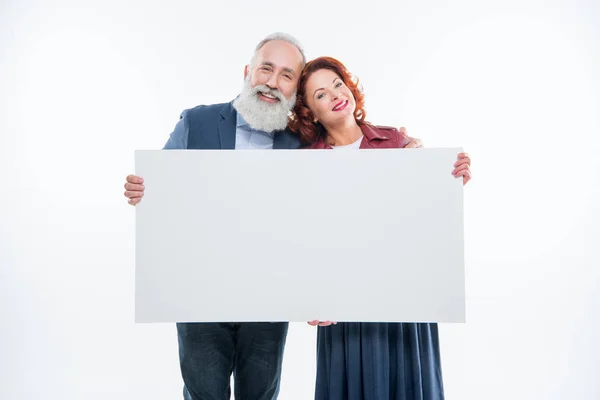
[[328, 98]]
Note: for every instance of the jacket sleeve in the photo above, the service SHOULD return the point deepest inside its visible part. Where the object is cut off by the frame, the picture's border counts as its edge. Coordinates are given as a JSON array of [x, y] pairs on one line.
[[402, 139], [398, 139], [178, 139]]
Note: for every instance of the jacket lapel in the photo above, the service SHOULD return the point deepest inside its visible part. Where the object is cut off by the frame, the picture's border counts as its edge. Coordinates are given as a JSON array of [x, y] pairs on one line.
[[226, 127]]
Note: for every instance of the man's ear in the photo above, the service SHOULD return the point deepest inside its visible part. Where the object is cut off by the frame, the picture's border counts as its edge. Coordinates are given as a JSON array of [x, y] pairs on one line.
[[246, 71]]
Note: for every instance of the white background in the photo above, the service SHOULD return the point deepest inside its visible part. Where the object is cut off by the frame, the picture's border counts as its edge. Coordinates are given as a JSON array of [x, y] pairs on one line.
[[84, 84]]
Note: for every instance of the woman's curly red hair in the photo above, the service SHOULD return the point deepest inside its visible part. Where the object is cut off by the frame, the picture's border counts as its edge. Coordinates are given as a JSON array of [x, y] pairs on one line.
[[302, 119]]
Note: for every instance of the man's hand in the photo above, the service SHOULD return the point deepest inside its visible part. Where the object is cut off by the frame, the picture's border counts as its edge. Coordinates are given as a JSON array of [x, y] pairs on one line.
[[321, 323], [134, 189], [413, 143], [463, 167]]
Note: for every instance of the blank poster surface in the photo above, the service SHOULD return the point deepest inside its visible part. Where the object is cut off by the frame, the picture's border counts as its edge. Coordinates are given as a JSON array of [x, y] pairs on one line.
[[297, 235]]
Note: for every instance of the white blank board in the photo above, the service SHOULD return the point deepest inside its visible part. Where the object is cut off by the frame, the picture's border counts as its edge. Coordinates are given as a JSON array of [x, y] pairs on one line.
[[296, 235]]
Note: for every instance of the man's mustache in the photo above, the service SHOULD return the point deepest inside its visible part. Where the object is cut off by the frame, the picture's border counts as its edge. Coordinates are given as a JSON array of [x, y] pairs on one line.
[[267, 90]]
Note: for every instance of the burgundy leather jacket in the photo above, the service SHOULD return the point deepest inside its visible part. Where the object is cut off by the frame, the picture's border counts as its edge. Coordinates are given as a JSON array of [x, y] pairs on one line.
[[375, 137]]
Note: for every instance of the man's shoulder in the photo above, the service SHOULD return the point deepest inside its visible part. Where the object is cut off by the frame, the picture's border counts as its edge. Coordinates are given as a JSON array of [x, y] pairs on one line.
[[207, 110]]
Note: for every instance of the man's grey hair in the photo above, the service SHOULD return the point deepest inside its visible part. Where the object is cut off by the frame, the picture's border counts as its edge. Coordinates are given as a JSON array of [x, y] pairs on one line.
[[279, 36]]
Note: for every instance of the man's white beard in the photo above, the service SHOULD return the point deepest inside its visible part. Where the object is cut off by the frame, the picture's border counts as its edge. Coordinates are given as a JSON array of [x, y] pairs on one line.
[[261, 115]]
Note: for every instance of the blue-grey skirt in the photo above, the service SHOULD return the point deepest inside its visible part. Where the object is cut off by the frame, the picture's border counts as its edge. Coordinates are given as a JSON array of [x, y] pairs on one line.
[[378, 361]]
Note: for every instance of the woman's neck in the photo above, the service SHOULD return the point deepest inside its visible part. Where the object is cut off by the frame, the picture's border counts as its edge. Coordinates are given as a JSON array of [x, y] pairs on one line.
[[344, 133]]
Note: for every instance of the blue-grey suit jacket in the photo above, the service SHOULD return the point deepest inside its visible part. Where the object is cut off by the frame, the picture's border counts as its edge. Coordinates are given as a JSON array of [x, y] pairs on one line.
[[213, 127]]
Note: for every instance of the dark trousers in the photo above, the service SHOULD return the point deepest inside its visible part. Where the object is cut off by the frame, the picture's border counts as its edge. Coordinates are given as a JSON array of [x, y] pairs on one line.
[[210, 352]]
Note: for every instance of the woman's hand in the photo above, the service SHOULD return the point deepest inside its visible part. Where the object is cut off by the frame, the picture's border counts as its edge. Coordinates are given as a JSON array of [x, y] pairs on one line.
[[413, 143], [463, 167], [321, 323]]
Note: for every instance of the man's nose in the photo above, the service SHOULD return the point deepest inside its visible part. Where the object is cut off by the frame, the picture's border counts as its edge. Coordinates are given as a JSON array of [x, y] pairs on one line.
[[273, 82]]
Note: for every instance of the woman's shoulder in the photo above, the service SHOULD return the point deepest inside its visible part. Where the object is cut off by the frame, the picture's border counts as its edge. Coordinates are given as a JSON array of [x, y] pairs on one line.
[[385, 134]]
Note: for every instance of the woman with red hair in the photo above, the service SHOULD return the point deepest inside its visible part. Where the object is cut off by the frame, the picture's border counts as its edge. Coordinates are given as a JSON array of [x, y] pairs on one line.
[[363, 361]]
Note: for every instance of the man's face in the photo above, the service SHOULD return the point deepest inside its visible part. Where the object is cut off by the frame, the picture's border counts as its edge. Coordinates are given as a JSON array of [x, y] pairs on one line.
[[269, 91], [277, 65]]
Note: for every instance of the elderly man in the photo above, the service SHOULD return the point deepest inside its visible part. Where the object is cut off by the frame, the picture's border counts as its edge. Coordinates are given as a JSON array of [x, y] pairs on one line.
[[256, 119]]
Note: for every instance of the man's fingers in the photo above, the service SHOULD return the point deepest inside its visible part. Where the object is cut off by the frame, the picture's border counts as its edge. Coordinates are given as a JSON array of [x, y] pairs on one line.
[[133, 194], [134, 186], [134, 179], [134, 190]]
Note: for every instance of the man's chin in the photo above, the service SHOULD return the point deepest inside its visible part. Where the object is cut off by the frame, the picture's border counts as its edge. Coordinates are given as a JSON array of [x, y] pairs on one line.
[[260, 114]]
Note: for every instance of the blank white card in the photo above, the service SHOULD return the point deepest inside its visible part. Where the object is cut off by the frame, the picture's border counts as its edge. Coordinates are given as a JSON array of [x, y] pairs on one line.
[[298, 235]]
